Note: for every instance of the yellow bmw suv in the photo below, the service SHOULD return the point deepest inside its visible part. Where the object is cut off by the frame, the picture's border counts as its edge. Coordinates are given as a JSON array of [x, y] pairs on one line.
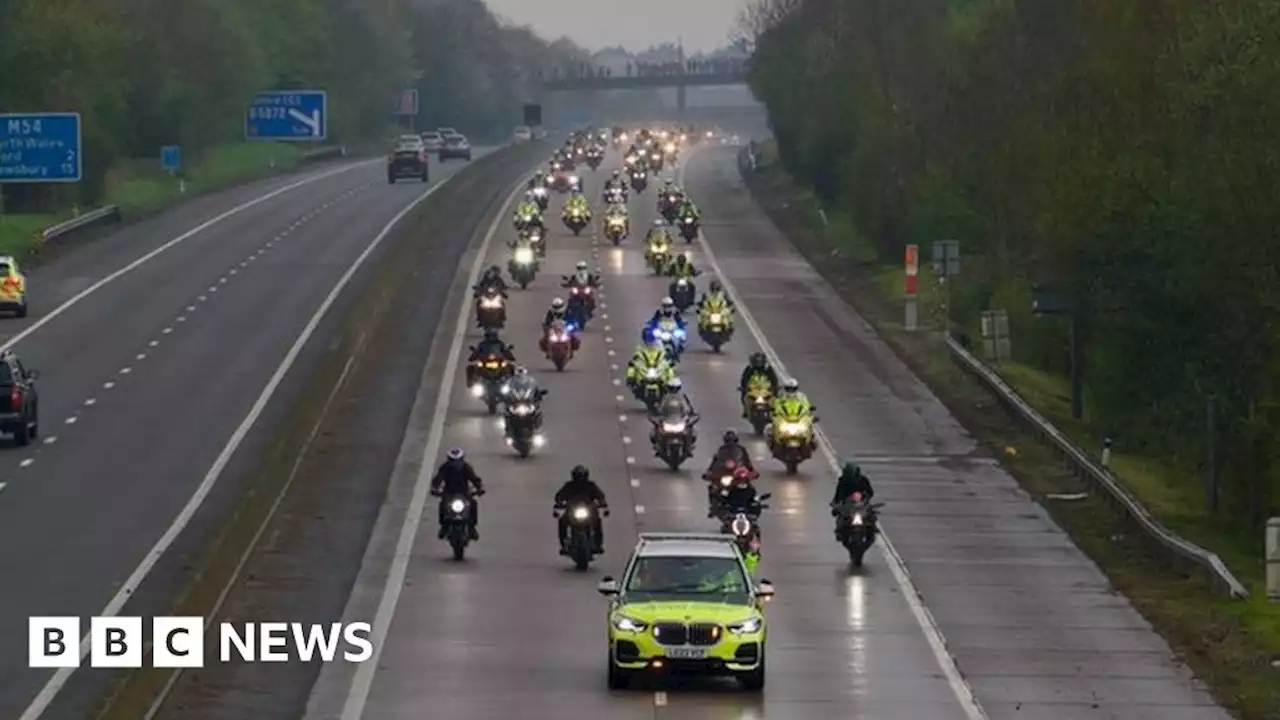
[[686, 604]]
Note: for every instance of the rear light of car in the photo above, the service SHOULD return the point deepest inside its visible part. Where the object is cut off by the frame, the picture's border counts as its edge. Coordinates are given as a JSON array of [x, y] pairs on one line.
[[15, 398]]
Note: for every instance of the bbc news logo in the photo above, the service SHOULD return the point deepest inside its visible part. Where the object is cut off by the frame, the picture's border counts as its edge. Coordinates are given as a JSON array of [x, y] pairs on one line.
[[179, 642]]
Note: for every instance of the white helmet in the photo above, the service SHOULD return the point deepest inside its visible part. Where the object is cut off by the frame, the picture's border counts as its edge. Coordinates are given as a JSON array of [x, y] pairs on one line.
[[582, 264], [557, 304], [790, 385], [674, 384], [521, 370], [668, 303]]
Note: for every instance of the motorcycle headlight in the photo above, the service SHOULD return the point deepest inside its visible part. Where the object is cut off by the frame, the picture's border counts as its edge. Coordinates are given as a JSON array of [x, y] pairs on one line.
[[505, 389], [794, 428], [559, 338], [651, 373], [716, 317], [477, 390], [679, 333], [676, 427], [490, 303], [524, 256], [573, 179], [746, 627], [522, 409], [540, 192], [688, 221], [526, 218], [581, 513], [857, 519], [670, 147], [726, 481], [626, 624], [458, 505], [662, 334]]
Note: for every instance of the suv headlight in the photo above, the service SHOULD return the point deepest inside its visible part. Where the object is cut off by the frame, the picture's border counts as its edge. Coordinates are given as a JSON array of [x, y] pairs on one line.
[[747, 627], [626, 624]]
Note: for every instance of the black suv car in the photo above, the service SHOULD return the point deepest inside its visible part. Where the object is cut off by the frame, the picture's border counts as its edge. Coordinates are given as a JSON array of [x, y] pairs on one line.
[[408, 160], [19, 401]]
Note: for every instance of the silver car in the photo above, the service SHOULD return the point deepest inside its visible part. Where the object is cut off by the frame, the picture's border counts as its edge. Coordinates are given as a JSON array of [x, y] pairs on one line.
[[433, 141]]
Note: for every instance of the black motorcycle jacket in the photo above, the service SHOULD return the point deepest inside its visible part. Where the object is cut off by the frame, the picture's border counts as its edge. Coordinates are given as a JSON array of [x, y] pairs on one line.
[[740, 499], [766, 371], [453, 480], [850, 483], [494, 282], [485, 348], [733, 452], [553, 316], [585, 491]]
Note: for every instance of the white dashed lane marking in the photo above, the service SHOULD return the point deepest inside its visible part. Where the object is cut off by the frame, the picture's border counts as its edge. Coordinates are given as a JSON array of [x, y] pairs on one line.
[[26, 463]]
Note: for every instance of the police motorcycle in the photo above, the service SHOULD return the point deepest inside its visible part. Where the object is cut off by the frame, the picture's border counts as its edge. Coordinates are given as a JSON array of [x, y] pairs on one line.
[[594, 157], [457, 522], [857, 525], [616, 227], [744, 525], [523, 264], [579, 541], [657, 254], [790, 439], [541, 197], [536, 236], [715, 322], [674, 438], [683, 293], [522, 420], [759, 403], [576, 218], [688, 226], [491, 309], [490, 381], [671, 335], [614, 195], [639, 178], [669, 205], [650, 387]]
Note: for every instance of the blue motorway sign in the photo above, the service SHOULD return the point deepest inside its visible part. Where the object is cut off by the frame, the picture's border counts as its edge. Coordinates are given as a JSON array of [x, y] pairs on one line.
[[300, 115], [40, 148], [171, 158]]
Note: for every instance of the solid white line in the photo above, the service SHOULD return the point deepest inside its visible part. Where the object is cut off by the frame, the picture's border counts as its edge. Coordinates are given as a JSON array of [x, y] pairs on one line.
[[362, 683], [932, 633], [95, 287], [117, 603]]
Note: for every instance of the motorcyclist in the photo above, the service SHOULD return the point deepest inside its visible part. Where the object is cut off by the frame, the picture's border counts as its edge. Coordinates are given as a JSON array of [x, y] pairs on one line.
[[539, 180], [555, 313], [671, 187], [851, 481], [527, 209], [730, 450], [582, 277], [741, 495], [666, 311], [658, 233], [650, 355], [577, 201], [581, 489], [715, 292], [757, 366], [682, 268], [791, 401], [688, 208], [491, 344], [456, 478], [675, 403], [523, 381], [491, 279], [615, 182]]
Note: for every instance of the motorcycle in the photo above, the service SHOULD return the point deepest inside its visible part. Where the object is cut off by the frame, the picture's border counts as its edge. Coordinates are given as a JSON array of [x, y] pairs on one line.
[[615, 228], [568, 183], [683, 292], [719, 481], [457, 523], [576, 219], [759, 404], [674, 439], [746, 531], [523, 223], [522, 421], [490, 383], [594, 158], [579, 542], [791, 440], [688, 228], [639, 180], [672, 338], [560, 343], [658, 256], [614, 196], [523, 265], [541, 197], [491, 310], [669, 206], [582, 300], [715, 325], [857, 525], [537, 239], [650, 389]]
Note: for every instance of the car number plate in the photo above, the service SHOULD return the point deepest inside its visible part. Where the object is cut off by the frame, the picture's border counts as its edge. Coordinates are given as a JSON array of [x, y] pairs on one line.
[[686, 653]]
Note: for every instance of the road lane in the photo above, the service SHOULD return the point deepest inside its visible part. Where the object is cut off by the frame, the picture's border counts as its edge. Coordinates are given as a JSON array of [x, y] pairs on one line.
[[143, 383], [1033, 624], [513, 632]]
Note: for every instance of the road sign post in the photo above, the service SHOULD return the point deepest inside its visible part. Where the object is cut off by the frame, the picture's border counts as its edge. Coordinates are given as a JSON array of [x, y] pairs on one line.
[[911, 283], [40, 148], [288, 116], [171, 161], [946, 265], [407, 105]]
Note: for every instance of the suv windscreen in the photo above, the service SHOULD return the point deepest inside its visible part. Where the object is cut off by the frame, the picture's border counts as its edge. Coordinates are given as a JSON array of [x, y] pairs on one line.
[[682, 579]]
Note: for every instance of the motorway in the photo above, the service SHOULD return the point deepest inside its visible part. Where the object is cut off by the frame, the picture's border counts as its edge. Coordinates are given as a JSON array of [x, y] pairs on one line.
[[1016, 616], [149, 379]]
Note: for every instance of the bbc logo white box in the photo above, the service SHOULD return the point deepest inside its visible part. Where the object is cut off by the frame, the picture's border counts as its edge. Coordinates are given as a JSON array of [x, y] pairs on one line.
[[177, 642], [53, 642], [115, 642]]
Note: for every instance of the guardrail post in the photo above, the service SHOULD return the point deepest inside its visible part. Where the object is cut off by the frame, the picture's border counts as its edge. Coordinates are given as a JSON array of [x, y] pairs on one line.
[[1106, 453], [1273, 559]]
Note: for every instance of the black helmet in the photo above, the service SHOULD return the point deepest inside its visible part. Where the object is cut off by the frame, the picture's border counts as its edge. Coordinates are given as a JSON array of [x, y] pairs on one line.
[[716, 286], [730, 437], [456, 456], [757, 360], [580, 473]]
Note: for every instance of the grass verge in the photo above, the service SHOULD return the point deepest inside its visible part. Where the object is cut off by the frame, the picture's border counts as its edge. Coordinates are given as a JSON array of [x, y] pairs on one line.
[[1231, 645], [141, 187]]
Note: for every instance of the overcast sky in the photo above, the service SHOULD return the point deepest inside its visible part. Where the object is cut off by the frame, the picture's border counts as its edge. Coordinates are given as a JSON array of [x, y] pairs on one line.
[[633, 24]]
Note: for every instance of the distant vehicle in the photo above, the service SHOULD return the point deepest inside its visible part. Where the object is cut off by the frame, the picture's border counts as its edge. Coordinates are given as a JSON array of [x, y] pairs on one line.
[[445, 132], [522, 134], [455, 146], [409, 159], [19, 402], [432, 140], [13, 287]]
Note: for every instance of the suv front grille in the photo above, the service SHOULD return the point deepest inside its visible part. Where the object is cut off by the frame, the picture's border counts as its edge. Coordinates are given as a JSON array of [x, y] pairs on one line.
[[703, 634]]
